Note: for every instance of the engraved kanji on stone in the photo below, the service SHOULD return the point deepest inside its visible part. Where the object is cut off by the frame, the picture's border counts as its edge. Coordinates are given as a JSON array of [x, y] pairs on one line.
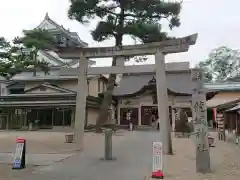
[[197, 76], [200, 120], [199, 106]]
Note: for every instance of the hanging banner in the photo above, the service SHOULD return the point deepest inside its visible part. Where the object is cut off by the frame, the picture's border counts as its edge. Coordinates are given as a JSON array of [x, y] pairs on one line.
[[215, 114], [157, 166], [19, 160]]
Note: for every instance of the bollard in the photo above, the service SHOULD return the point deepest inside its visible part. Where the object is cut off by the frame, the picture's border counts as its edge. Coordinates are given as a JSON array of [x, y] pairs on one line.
[[108, 144]]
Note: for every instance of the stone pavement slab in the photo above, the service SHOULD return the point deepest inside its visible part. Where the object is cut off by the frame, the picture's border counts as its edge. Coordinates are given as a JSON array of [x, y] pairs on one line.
[[40, 142], [91, 141], [45, 142], [6, 172], [35, 159], [134, 161]]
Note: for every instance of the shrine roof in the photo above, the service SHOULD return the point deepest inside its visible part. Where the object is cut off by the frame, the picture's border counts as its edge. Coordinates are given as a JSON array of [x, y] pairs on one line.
[[178, 83], [228, 105], [72, 35], [54, 73]]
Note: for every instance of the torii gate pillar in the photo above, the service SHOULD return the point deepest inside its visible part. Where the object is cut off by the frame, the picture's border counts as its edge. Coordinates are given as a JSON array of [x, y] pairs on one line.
[[81, 101], [162, 98]]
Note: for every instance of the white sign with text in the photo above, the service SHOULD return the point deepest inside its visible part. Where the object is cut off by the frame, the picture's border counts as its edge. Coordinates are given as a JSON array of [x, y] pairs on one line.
[[157, 157]]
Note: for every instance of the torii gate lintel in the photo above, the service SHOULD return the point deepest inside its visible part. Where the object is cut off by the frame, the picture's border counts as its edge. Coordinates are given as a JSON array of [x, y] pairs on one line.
[[166, 47]]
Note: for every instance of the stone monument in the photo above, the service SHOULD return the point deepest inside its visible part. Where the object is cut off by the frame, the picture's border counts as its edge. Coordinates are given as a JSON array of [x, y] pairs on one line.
[[199, 113]]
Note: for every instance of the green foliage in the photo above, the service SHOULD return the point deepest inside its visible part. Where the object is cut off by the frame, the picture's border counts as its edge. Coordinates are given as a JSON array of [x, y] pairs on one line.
[[4, 43], [22, 54], [37, 38], [221, 63], [8, 63], [139, 19]]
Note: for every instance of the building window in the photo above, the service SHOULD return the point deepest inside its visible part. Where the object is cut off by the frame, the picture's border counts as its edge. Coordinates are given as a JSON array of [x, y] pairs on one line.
[[61, 41]]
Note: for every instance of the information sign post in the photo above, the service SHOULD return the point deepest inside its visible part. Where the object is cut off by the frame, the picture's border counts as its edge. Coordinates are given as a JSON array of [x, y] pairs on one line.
[[157, 171], [19, 160]]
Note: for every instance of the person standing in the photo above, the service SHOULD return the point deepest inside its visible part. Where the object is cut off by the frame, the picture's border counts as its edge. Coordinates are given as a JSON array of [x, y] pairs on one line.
[[158, 123], [129, 118]]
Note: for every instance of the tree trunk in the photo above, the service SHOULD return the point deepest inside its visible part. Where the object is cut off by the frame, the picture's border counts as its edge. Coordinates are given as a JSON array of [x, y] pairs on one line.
[[107, 101], [103, 116]]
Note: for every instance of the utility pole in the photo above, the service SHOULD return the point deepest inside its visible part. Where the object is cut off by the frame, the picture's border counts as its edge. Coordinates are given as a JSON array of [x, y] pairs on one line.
[[199, 113]]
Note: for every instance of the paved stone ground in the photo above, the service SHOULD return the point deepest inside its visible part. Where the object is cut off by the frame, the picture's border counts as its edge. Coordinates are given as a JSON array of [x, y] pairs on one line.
[[7, 174], [37, 142], [35, 159], [134, 160]]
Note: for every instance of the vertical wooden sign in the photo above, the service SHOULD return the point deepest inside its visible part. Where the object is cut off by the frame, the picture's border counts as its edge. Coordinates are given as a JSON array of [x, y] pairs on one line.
[[199, 113]]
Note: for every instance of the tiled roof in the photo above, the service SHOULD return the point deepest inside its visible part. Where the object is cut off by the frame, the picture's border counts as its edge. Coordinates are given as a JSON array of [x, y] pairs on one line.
[[219, 101], [54, 73], [177, 82], [71, 35], [48, 55], [51, 86]]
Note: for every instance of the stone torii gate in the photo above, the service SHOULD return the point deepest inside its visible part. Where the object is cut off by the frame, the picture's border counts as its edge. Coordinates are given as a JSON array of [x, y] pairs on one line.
[[159, 49]]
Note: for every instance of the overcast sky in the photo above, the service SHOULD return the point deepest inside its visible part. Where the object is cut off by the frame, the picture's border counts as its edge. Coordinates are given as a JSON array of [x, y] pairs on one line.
[[216, 21]]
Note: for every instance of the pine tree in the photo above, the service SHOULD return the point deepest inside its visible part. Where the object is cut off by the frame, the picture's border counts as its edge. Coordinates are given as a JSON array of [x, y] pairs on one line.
[[22, 53], [137, 18], [31, 43]]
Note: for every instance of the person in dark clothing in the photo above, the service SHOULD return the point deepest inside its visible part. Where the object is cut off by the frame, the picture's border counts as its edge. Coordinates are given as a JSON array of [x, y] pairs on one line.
[[129, 118]]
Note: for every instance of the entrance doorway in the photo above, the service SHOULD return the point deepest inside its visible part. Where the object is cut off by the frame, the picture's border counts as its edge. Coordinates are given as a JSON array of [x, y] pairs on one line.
[[123, 116], [147, 113]]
